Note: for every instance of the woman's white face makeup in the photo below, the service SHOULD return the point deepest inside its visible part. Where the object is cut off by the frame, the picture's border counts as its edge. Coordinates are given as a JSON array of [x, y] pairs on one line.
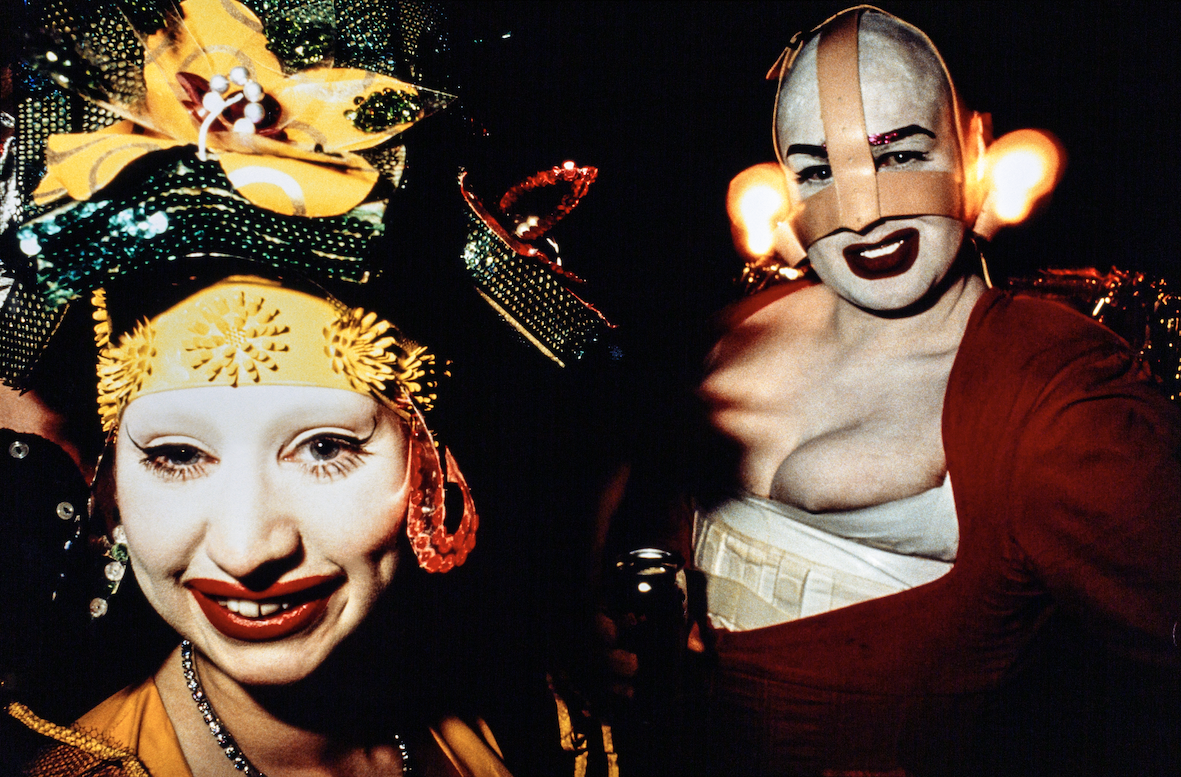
[[262, 521], [894, 262]]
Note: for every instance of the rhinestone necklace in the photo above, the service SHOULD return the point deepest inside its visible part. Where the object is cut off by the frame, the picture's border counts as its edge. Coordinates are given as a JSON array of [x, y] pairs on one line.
[[225, 740]]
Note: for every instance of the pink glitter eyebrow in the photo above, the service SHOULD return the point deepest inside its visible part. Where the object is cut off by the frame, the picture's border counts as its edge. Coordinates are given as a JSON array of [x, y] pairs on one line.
[[898, 134], [883, 139]]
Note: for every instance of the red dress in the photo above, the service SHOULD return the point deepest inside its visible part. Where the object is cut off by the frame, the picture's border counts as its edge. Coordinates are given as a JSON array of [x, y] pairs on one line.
[[1064, 460]]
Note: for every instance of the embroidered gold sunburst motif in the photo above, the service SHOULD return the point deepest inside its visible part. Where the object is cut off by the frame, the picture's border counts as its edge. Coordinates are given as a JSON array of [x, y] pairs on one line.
[[237, 337], [360, 349], [122, 369]]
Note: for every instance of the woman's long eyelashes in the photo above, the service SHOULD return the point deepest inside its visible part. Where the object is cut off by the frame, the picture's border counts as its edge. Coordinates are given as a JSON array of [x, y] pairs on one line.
[[331, 456], [175, 462]]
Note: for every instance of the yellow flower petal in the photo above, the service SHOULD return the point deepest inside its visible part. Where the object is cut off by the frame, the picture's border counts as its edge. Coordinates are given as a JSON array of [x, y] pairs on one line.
[[294, 187], [315, 102], [81, 164], [308, 169], [218, 36], [214, 37]]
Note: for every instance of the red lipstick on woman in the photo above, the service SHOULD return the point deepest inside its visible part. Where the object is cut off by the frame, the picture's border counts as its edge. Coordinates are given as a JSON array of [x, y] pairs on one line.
[[890, 256], [294, 605]]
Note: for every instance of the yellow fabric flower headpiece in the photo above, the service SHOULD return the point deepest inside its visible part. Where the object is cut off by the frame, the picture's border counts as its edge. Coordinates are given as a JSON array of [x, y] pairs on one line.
[[287, 142], [247, 331]]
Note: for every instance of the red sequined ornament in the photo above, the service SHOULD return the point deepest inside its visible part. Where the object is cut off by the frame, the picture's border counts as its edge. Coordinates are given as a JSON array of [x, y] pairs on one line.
[[579, 179], [436, 549]]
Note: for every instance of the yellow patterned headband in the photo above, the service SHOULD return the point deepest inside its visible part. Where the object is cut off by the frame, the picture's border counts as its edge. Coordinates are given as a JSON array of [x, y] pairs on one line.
[[248, 331]]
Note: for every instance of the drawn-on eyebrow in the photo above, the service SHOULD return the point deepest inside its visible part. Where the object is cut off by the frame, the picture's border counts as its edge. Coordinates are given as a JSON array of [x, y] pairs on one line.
[[802, 148], [893, 136]]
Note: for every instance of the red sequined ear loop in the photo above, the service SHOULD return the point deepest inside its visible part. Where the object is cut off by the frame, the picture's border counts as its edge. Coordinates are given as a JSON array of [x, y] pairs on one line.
[[437, 551]]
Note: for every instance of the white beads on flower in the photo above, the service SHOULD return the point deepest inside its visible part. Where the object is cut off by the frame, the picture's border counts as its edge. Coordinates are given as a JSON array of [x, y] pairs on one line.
[[253, 91], [255, 112], [215, 104]]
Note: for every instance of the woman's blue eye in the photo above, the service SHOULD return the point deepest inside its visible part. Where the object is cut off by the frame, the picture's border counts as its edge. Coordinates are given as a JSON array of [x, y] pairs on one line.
[[177, 462], [325, 449], [330, 457]]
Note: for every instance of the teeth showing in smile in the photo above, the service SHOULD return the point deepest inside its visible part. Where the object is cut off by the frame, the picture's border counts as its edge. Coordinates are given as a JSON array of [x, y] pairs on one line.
[[251, 609], [888, 248]]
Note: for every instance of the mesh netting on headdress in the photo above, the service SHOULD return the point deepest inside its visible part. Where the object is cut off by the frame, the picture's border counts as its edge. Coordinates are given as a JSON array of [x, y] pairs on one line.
[[404, 40], [45, 111], [101, 54], [25, 327], [531, 297]]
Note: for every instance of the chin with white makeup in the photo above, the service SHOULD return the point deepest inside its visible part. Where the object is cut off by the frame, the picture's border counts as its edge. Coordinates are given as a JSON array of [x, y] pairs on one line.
[[896, 264]]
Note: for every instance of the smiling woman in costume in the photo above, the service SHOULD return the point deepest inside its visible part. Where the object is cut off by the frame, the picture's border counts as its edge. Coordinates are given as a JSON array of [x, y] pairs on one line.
[[270, 461], [927, 468], [270, 479]]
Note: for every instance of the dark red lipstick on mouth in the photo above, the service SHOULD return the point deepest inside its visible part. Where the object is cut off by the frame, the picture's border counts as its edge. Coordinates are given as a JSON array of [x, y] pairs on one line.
[[893, 255], [237, 611]]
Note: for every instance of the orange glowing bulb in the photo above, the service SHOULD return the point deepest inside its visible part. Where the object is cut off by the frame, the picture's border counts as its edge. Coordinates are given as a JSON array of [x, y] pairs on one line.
[[758, 206], [756, 203], [1024, 167]]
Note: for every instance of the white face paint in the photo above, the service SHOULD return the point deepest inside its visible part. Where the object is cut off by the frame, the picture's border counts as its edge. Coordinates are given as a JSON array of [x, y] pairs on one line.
[[262, 521], [894, 262]]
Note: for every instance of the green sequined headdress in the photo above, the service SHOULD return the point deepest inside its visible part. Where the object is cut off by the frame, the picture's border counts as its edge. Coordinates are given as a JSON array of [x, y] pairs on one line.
[[120, 164], [152, 131]]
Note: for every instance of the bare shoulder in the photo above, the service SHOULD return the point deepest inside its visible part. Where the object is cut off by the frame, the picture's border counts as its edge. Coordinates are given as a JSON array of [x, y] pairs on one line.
[[762, 336], [760, 374]]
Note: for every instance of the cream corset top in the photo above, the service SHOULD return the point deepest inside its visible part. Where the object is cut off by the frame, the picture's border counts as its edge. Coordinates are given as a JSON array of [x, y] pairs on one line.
[[921, 525], [767, 563]]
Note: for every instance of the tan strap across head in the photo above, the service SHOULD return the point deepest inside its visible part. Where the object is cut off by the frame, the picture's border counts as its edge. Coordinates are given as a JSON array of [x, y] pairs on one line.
[[859, 196], [854, 173]]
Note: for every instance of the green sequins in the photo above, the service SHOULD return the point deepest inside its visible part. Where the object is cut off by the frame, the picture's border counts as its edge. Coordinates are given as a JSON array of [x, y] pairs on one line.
[[382, 110], [302, 37], [186, 208]]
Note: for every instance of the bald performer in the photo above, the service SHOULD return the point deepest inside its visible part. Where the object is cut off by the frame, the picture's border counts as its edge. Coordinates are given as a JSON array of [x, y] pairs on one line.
[[928, 471]]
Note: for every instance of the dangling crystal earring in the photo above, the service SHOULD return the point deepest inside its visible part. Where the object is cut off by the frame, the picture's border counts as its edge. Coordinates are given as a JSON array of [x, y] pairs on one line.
[[113, 570], [976, 240]]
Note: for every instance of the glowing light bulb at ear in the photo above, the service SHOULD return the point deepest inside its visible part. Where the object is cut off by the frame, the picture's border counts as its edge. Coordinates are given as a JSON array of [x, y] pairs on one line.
[[757, 206], [756, 203], [1023, 168], [1016, 176]]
